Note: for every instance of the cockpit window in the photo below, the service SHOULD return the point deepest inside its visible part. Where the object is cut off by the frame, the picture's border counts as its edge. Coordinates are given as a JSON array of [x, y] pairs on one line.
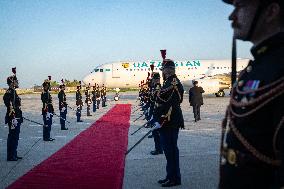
[[96, 70]]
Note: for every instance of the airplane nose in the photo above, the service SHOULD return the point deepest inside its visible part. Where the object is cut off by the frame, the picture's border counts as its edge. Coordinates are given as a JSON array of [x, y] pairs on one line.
[[92, 79], [87, 80]]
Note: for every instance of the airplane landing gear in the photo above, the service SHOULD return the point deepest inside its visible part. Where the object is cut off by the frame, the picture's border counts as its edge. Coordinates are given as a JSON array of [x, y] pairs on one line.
[[220, 93], [116, 96]]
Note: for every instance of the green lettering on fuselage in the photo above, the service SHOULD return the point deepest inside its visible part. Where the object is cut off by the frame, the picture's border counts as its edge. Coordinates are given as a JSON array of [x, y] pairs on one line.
[[144, 64], [188, 63], [194, 63]]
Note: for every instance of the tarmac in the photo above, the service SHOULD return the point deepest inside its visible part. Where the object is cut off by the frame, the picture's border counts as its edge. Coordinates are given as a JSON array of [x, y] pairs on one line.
[[198, 143]]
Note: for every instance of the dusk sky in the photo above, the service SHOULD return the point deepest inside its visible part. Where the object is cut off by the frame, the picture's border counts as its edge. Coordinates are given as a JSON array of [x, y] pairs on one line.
[[67, 39]]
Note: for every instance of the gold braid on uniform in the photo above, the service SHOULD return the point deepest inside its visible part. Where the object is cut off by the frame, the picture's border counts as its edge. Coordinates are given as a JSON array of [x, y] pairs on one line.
[[173, 87], [255, 105]]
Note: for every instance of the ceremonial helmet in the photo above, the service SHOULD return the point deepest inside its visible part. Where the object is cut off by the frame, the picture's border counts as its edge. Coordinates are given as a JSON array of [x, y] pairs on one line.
[[62, 84], [11, 79], [156, 75], [168, 63], [46, 82]]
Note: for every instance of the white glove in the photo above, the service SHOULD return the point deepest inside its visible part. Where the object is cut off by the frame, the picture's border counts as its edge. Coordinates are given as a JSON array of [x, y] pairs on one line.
[[63, 109], [14, 122], [156, 126], [48, 115]]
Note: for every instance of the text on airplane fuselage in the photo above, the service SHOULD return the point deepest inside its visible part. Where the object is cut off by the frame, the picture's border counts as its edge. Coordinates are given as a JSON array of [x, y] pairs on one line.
[[194, 63]]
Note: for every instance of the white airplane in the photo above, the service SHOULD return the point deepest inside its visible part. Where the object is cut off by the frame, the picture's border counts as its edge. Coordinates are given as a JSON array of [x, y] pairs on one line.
[[210, 74]]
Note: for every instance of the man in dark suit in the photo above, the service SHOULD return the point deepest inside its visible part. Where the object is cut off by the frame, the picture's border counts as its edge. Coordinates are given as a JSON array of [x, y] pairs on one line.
[[196, 99]]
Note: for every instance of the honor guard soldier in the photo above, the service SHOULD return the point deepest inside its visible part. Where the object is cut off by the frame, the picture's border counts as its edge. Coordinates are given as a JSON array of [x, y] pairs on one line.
[[62, 105], [47, 110], [88, 100], [103, 95], [79, 103], [169, 118], [98, 96], [13, 116], [94, 98], [155, 88], [252, 147]]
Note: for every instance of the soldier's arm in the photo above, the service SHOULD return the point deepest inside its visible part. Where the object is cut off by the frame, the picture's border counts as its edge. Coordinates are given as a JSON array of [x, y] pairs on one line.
[[7, 100]]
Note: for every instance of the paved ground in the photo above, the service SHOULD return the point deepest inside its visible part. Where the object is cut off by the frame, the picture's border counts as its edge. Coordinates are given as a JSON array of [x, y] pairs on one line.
[[198, 144]]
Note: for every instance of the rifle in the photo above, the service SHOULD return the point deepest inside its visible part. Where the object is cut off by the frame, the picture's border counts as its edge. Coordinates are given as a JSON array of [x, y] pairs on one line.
[[32, 121], [61, 117], [136, 109], [138, 117], [71, 108], [140, 127], [138, 141], [142, 137]]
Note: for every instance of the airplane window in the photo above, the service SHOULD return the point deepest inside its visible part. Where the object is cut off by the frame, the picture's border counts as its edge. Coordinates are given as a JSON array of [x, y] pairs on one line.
[[208, 67], [107, 70], [101, 70], [213, 67], [126, 69], [149, 69], [131, 70], [217, 67], [137, 69]]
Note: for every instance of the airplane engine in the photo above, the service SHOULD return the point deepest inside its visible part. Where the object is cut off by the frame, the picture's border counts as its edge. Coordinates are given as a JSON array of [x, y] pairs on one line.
[[212, 86]]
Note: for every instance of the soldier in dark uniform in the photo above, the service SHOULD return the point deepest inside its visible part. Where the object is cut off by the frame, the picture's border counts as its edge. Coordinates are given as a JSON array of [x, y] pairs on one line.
[[47, 110], [13, 117], [155, 88], [94, 98], [62, 106], [79, 103], [98, 96], [103, 95], [252, 147], [196, 99], [88, 100], [169, 119]]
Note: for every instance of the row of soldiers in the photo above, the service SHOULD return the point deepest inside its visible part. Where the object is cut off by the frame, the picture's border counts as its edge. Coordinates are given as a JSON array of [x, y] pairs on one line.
[[14, 117], [98, 96], [161, 106]]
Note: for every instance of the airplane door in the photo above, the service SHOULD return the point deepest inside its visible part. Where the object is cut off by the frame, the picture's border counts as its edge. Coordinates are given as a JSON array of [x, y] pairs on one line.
[[116, 69]]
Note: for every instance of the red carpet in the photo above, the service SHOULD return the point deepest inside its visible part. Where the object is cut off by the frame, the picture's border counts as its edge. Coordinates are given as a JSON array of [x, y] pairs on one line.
[[93, 159]]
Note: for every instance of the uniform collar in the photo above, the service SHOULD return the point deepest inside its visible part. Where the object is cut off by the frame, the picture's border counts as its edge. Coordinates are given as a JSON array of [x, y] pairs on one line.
[[267, 45]]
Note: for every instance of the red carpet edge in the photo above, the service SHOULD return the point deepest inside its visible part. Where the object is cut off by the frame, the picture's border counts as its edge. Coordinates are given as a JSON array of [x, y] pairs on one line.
[[93, 159]]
